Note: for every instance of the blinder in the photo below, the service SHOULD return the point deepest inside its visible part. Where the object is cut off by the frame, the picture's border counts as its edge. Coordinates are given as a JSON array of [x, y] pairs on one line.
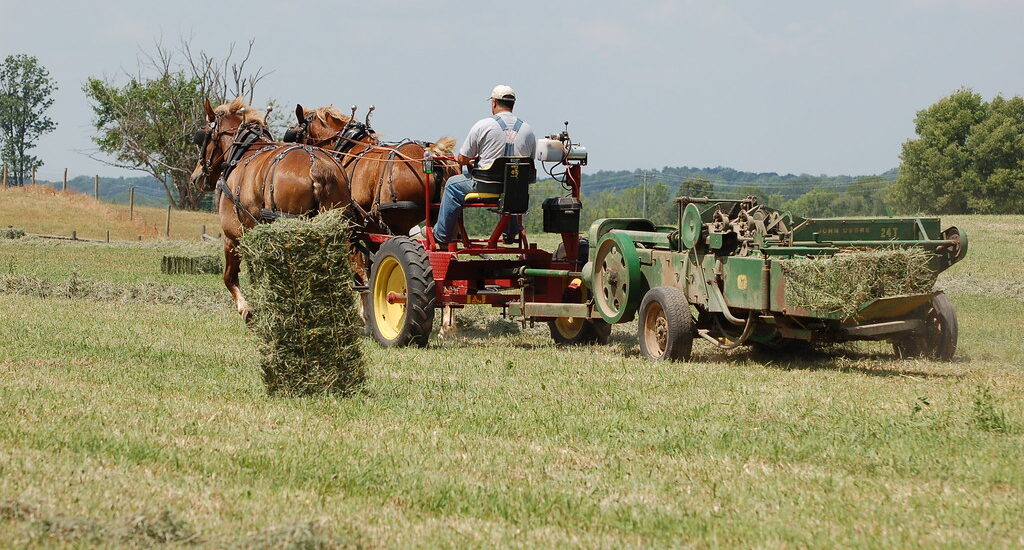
[[291, 135], [201, 136], [353, 132]]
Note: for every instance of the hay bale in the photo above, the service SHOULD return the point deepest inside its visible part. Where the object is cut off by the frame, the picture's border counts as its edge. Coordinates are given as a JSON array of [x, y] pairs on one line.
[[304, 307], [842, 283], [11, 233], [190, 265]]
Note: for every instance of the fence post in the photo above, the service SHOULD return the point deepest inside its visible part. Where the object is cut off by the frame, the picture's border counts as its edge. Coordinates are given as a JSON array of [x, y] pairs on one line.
[[64, 186], [167, 229], [203, 232], [74, 235], [33, 176], [96, 187], [5, 175], [131, 203], [108, 235]]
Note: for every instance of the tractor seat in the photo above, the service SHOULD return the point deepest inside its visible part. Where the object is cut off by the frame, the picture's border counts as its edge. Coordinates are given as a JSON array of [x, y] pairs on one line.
[[478, 198]]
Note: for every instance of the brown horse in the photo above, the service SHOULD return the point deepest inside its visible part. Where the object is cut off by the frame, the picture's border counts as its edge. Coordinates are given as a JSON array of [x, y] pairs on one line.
[[386, 180], [263, 180]]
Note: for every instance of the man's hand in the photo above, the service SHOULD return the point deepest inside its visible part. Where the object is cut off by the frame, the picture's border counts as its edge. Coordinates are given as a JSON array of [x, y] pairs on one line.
[[465, 161]]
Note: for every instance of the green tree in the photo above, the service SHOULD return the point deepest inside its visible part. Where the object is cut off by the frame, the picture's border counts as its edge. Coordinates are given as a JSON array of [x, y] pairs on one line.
[[26, 92], [144, 123], [968, 157]]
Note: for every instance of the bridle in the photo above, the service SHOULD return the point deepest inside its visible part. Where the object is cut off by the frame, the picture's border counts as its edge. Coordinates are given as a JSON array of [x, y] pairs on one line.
[[243, 136]]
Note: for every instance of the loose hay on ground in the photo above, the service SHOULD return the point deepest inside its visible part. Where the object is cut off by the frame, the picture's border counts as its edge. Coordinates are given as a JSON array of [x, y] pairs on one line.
[[844, 282], [304, 307]]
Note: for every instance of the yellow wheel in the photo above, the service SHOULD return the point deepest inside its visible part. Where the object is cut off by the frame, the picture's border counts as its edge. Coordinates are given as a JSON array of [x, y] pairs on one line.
[[571, 331], [401, 294]]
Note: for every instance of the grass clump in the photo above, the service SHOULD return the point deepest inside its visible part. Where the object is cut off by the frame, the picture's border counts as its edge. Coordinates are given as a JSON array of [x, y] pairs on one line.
[[987, 415], [844, 282], [11, 233], [200, 264], [304, 308]]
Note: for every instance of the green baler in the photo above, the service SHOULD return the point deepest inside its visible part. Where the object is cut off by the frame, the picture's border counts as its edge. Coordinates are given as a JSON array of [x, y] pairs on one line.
[[735, 272]]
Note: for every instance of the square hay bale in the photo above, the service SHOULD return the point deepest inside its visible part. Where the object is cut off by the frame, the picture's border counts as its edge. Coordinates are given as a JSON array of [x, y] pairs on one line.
[[842, 283], [190, 265], [10, 232], [304, 307]]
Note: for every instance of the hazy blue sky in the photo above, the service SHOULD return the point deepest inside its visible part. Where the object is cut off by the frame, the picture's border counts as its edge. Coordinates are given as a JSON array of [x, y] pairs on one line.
[[784, 86]]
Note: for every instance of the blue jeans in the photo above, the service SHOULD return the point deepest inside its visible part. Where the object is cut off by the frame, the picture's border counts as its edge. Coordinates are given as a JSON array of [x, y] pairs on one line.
[[454, 197]]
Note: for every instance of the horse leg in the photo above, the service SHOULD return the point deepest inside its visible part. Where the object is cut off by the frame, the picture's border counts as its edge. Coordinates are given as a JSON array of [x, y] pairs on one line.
[[232, 265]]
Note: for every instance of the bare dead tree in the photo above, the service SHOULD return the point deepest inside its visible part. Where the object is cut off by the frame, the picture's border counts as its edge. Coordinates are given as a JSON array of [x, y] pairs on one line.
[[144, 124]]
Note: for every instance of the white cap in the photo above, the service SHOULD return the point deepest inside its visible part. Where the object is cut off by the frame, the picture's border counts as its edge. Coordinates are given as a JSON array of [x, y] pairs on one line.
[[503, 91]]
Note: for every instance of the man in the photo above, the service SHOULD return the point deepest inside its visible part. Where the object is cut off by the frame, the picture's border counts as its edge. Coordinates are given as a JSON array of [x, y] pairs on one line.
[[499, 135]]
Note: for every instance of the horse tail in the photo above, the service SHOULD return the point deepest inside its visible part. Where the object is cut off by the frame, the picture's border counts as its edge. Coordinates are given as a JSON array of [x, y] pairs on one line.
[[325, 174], [444, 147]]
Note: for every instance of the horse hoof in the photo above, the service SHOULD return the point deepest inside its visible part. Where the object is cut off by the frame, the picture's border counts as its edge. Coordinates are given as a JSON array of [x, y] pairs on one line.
[[246, 315]]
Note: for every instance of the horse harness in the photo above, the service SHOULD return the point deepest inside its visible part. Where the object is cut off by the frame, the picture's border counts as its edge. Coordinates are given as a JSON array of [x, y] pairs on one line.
[[247, 135]]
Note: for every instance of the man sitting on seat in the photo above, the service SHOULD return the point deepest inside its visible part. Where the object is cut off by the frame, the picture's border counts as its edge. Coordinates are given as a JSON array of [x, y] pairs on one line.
[[500, 135]]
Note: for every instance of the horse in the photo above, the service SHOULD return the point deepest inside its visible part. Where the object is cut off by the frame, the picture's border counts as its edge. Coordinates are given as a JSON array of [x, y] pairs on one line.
[[259, 180], [386, 180]]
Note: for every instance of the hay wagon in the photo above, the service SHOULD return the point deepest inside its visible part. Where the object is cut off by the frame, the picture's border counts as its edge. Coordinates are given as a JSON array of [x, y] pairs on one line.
[[732, 272]]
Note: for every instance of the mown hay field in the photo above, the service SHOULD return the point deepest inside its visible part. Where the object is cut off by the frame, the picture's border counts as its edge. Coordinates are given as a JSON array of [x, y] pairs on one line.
[[132, 421], [41, 209]]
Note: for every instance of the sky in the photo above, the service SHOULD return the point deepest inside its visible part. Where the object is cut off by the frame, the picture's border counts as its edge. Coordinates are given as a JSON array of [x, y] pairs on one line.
[[787, 86]]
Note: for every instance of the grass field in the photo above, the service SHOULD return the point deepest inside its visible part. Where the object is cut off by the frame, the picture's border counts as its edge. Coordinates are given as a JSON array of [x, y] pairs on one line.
[[131, 422], [41, 209]]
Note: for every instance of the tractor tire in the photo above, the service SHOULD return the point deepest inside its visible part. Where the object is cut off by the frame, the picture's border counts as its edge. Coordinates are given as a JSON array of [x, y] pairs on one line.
[[402, 267], [665, 325], [937, 338], [578, 332]]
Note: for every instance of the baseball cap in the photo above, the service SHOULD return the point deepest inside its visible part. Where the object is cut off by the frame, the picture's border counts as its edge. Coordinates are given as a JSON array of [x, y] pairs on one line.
[[502, 91]]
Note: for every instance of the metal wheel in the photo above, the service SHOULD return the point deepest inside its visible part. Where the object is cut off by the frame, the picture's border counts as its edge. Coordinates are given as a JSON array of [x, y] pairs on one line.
[[937, 339], [665, 327], [401, 302], [616, 278], [574, 331]]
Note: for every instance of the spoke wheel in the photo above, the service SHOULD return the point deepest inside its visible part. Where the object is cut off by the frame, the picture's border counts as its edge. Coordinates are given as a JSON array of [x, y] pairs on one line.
[[616, 278], [937, 339], [401, 302], [665, 327]]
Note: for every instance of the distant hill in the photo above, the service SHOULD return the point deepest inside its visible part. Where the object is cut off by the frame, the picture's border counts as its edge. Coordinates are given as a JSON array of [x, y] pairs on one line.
[[726, 181], [148, 191]]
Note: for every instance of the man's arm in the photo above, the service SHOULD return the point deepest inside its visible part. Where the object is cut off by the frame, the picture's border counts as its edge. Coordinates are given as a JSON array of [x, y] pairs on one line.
[[464, 160]]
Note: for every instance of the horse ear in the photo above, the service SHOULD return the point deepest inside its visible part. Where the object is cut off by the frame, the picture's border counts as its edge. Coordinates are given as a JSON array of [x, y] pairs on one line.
[[209, 110], [300, 113]]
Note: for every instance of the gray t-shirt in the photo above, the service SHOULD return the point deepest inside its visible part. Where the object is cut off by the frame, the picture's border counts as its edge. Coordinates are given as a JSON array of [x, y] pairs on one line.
[[488, 141]]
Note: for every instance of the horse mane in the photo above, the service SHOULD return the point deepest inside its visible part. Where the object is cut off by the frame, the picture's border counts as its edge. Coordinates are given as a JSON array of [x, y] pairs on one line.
[[444, 147], [240, 107], [321, 113]]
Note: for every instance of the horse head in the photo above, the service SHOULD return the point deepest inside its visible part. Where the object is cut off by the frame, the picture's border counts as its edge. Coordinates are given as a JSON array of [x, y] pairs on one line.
[[226, 126], [329, 128]]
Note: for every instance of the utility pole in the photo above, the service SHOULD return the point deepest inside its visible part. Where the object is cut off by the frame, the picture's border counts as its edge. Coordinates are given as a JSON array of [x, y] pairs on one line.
[[645, 196]]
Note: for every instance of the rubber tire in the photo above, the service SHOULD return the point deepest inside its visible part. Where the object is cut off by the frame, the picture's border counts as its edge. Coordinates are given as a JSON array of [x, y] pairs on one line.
[[594, 331], [938, 339], [414, 262], [675, 310]]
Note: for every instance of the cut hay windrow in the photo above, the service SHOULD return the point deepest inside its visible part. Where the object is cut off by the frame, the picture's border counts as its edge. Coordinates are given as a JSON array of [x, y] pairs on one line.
[[304, 307], [844, 282], [190, 265]]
